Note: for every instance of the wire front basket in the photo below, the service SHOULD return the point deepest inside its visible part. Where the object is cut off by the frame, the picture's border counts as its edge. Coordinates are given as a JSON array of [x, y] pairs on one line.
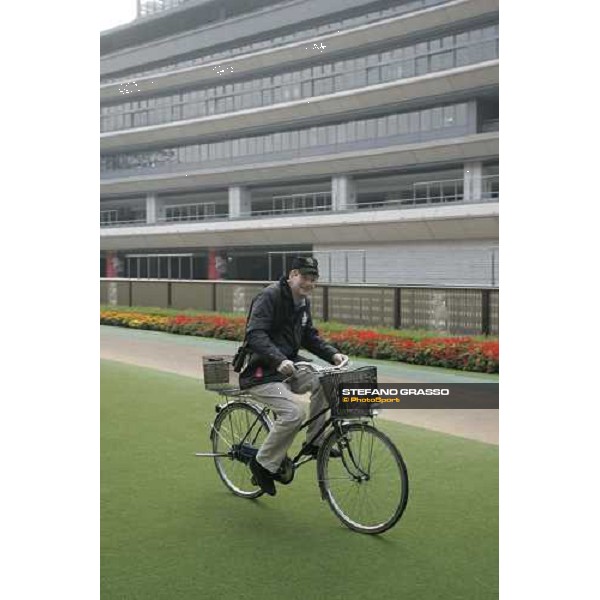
[[360, 377], [218, 373]]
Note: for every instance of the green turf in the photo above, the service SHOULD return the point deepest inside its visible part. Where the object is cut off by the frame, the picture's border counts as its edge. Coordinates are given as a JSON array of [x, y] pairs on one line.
[[171, 530]]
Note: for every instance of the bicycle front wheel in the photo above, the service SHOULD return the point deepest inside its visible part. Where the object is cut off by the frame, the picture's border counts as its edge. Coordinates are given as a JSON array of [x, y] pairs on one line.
[[367, 487], [238, 432]]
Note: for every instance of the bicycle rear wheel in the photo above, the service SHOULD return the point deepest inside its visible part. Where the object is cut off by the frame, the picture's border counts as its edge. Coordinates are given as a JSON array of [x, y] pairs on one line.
[[238, 421], [367, 488]]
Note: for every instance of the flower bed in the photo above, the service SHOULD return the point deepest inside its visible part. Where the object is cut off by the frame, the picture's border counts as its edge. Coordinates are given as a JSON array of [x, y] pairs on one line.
[[464, 353]]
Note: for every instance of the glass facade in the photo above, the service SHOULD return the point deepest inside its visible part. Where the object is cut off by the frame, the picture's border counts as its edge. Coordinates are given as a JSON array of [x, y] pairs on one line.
[[429, 56], [401, 7], [407, 127], [150, 7], [219, 13], [127, 214]]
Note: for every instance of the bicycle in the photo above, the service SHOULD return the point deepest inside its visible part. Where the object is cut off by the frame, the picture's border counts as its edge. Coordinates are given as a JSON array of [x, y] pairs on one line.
[[366, 488]]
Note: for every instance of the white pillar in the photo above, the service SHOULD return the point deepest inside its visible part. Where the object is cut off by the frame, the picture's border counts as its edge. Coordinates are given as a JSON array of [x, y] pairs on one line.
[[150, 208], [472, 181], [239, 202], [343, 192]]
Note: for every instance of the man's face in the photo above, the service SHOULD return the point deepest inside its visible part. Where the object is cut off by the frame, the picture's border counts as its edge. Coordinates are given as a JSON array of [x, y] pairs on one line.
[[301, 285]]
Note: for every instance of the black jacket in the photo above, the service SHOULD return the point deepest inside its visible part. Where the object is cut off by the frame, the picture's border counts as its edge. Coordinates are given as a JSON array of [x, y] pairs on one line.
[[276, 330]]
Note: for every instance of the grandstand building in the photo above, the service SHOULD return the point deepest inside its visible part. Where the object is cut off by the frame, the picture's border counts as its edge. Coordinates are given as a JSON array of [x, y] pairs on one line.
[[365, 133]]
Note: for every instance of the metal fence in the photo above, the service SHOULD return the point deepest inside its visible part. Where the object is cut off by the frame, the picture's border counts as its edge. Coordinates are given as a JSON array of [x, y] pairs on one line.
[[446, 309]]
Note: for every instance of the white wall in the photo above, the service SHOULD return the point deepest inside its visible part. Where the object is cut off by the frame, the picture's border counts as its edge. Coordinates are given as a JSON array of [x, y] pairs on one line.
[[467, 262]]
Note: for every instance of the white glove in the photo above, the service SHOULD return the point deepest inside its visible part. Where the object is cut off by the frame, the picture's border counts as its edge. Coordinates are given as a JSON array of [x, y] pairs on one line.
[[339, 358], [286, 367]]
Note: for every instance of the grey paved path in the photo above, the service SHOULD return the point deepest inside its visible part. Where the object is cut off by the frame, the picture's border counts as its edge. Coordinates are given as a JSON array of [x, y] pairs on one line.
[[183, 355]]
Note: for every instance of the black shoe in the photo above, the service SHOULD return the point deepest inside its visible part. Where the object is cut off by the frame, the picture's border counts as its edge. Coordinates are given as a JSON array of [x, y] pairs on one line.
[[285, 474], [263, 477], [312, 450]]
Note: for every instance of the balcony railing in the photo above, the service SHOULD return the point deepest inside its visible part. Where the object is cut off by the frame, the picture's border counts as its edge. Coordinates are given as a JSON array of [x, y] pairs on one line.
[[191, 218], [121, 223], [433, 193], [423, 193], [307, 202]]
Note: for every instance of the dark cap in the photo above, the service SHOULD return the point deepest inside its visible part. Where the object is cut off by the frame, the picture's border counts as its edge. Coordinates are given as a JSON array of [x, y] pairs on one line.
[[306, 266]]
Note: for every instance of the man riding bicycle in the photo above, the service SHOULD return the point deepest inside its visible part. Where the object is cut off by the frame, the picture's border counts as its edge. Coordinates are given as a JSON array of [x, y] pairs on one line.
[[279, 324]]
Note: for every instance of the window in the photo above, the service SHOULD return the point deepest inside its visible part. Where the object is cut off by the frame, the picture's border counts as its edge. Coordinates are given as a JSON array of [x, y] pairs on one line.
[[422, 65], [441, 61], [221, 105], [247, 100], [268, 144], [475, 35], [286, 93], [421, 48], [226, 148], [414, 122], [403, 124], [488, 50], [392, 125], [371, 128], [323, 86], [373, 76], [463, 56], [260, 145], [304, 138], [294, 140], [408, 67], [461, 114], [361, 130], [321, 136], [351, 131], [435, 45], [448, 41], [461, 39], [449, 117], [267, 97], [331, 134]]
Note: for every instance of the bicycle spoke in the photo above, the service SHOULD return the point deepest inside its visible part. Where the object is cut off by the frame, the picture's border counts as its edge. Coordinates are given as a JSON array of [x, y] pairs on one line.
[[239, 422], [228, 442], [375, 500]]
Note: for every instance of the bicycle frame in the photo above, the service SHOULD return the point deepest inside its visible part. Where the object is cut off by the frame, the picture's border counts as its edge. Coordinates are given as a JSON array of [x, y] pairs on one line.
[[297, 462]]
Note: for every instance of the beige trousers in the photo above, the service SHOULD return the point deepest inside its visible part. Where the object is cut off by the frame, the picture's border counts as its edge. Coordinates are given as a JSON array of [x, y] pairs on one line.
[[290, 416]]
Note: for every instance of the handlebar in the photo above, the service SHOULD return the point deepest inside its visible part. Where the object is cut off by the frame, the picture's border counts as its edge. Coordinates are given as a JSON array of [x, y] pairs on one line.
[[309, 366], [318, 369]]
